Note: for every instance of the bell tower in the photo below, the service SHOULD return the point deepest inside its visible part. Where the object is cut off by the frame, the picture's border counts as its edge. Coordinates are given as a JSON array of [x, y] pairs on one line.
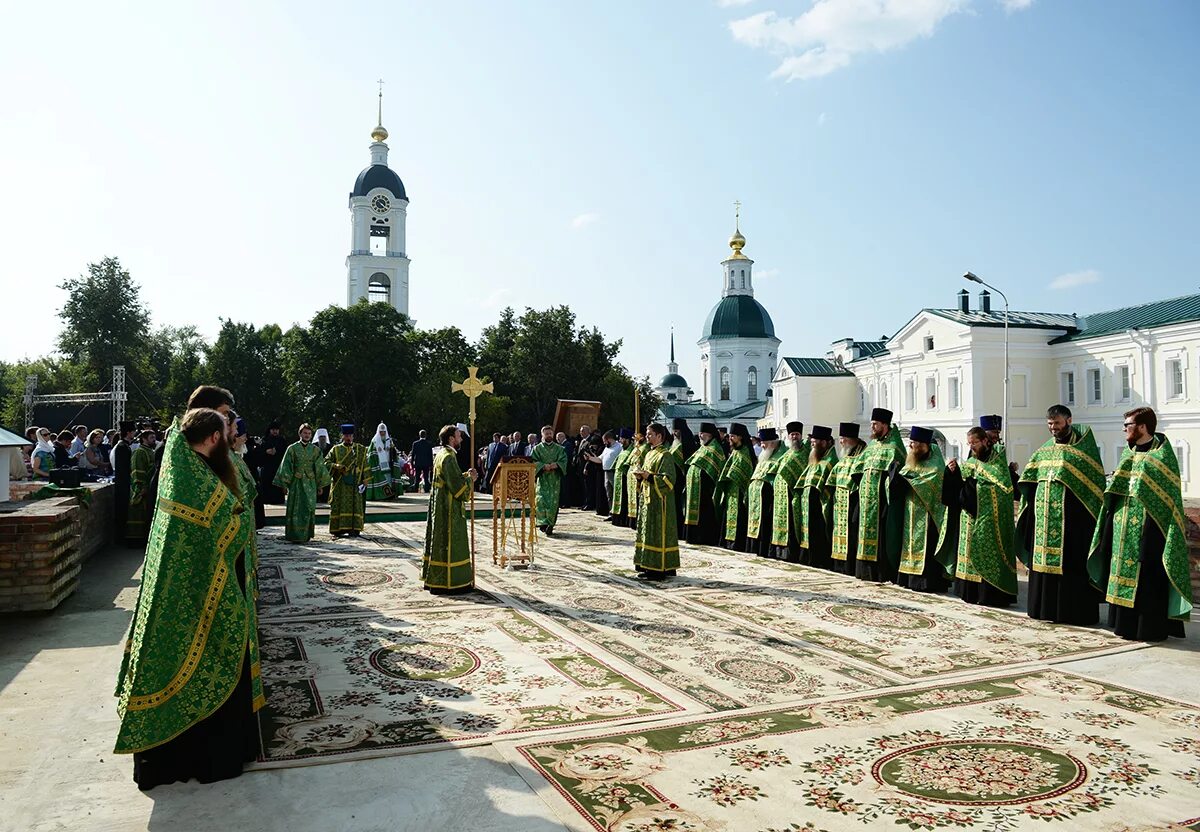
[[377, 267]]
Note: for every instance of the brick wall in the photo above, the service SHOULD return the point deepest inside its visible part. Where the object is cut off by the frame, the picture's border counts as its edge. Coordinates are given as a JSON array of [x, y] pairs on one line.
[[43, 544]]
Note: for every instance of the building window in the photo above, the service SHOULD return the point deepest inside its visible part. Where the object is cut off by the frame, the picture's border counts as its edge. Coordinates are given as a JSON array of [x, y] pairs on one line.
[[1068, 388], [1175, 379], [928, 343], [883, 395], [724, 384], [862, 400], [955, 395], [379, 288], [1095, 391], [752, 384], [910, 394], [1018, 389], [954, 451], [1181, 454], [785, 408], [1124, 384], [931, 392]]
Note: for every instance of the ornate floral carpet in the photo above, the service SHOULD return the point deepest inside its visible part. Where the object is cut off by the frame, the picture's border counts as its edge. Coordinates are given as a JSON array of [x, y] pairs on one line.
[[1039, 750]]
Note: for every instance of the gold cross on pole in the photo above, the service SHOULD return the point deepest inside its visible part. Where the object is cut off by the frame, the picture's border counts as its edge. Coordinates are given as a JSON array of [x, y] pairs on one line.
[[472, 387]]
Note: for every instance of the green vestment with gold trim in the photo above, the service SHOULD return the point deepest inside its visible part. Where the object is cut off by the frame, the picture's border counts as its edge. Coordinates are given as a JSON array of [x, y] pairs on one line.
[[875, 521], [1053, 469], [707, 461], [986, 548], [922, 508], [657, 545], [785, 508], [1144, 489], [348, 471], [637, 453], [141, 501], [818, 481], [193, 626], [549, 483], [447, 560], [302, 472], [620, 499], [732, 487], [846, 474], [764, 474]]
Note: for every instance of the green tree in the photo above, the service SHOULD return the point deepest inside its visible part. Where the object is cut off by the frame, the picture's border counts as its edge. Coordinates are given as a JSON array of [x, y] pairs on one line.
[[351, 364], [54, 376], [105, 323], [442, 357], [176, 358], [250, 362]]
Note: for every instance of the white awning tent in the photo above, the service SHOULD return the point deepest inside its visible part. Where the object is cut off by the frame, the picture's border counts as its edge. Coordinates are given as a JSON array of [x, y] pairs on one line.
[[10, 444]]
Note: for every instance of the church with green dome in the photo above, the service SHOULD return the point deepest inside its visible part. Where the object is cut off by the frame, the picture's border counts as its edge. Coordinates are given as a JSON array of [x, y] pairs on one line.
[[738, 354]]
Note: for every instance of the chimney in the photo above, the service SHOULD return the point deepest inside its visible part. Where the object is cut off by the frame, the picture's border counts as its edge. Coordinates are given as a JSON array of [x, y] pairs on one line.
[[964, 300], [985, 301]]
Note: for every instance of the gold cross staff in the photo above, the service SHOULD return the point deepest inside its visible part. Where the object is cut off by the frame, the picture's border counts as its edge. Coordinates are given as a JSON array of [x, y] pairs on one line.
[[472, 387]]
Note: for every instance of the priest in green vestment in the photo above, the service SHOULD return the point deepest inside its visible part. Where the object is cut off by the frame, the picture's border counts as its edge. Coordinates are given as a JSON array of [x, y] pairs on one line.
[[550, 465], [812, 507], [980, 492], [879, 530], [300, 474], [916, 491], [760, 494], [847, 474], [785, 545], [349, 474], [1062, 494], [702, 516], [619, 511], [732, 488], [447, 567], [656, 551], [1139, 554], [683, 445], [636, 454], [189, 684], [141, 501]]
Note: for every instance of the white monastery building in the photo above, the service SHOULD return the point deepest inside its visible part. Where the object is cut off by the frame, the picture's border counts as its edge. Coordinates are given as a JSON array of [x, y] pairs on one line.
[[377, 267], [945, 368]]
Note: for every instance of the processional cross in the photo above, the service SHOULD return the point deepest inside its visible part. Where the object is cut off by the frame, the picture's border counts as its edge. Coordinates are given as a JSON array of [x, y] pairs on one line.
[[472, 387]]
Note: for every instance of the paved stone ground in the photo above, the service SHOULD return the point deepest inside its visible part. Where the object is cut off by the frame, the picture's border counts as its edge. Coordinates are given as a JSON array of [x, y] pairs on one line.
[[58, 720]]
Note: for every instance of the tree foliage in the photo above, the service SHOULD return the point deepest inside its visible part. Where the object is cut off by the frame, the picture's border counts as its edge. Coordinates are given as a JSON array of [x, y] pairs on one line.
[[104, 323], [249, 361]]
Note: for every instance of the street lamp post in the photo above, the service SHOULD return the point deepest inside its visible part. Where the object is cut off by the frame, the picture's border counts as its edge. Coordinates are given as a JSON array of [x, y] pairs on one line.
[[975, 279]]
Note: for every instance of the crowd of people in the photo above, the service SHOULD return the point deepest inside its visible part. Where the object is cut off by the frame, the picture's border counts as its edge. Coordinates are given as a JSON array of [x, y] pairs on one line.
[[189, 685]]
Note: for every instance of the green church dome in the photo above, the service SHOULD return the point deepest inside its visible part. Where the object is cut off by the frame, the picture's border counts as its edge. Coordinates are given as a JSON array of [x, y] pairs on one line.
[[739, 316]]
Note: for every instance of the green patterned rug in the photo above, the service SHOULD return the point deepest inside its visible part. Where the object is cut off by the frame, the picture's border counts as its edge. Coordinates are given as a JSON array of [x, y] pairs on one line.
[[1041, 750], [340, 688]]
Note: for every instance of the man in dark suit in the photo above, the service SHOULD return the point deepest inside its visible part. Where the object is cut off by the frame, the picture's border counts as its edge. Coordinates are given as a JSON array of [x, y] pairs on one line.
[[497, 453], [421, 455]]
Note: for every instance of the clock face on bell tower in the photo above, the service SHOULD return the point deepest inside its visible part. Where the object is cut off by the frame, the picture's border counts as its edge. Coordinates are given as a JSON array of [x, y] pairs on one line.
[[380, 204]]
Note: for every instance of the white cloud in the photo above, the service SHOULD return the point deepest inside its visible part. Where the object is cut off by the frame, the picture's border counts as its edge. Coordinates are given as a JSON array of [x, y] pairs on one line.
[[766, 274], [1011, 6], [821, 119], [584, 220], [729, 4], [496, 299], [1071, 280], [829, 35]]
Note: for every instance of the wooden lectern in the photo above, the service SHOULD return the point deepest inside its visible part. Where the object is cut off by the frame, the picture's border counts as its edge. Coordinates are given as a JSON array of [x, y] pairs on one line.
[[514, 482]]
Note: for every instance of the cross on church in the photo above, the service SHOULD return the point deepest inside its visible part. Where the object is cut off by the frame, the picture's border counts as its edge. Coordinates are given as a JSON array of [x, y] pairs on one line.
[[737, 213]]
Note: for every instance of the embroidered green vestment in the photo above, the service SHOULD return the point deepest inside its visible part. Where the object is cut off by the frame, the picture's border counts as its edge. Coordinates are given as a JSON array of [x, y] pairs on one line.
[[302, 472], [877, 458], [1054, 469], [708, 460], [348, 470], [447, 560], [732, 487], [986, 549], [785, 508], [549, 483], [657, 546], [818, 479]]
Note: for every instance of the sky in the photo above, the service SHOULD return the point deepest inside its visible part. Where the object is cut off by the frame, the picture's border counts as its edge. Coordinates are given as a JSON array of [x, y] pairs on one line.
[[589, 154]]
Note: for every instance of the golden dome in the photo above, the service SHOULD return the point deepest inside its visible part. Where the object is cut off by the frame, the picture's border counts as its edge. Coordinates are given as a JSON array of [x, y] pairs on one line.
[[737, 242], [379, 133]]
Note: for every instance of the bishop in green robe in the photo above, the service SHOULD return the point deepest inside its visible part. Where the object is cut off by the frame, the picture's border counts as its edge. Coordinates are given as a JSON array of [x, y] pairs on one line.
[[656, 550], [847, 474], [349, 474], [381, 456], [141, 501], [732, 488], [879, 529], [1139, 554], [189, 685], [1062, 495], [447, 567], [702, 516], [785, 545], [812, 507], [550, 465], [916, 491], [980, 492], [622, 496], [300, 474]]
